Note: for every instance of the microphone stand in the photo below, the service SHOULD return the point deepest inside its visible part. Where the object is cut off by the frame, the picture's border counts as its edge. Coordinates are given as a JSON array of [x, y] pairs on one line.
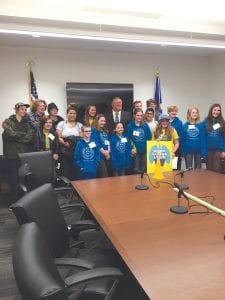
[[179, 209], [141, 186]]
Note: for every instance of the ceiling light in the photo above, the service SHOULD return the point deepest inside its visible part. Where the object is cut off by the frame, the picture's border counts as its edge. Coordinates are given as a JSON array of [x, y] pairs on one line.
[[188, 43]]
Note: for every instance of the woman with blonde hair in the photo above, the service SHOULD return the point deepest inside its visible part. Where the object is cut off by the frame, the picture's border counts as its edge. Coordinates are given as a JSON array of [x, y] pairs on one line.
[[34, 116], [165, 132], [139, 133], [193, 145], [100, 134], [90, 114]]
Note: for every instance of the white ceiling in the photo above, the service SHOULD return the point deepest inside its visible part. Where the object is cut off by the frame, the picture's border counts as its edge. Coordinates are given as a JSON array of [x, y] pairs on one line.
[[174, 21]]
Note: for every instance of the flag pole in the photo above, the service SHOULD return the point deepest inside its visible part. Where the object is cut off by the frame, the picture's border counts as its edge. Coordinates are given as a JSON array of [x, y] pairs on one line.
[[157, 92], [30, 64]]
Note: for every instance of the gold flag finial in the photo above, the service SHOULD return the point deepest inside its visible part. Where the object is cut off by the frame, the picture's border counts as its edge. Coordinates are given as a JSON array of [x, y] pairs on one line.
[[30, 64]]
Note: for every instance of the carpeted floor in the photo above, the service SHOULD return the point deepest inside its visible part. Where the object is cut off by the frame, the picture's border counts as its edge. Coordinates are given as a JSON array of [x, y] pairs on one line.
[[8, 230], [8, 289]]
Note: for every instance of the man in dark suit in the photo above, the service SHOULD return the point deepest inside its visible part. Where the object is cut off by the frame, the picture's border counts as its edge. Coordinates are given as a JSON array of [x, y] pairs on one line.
[[117, 115]]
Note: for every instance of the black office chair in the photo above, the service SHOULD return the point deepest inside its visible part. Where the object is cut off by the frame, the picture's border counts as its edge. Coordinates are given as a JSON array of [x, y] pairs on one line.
[[41, 207], [37, 275], [36, 169]]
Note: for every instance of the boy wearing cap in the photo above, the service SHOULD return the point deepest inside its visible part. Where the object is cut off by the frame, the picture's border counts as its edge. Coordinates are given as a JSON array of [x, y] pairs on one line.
[[16, 139]]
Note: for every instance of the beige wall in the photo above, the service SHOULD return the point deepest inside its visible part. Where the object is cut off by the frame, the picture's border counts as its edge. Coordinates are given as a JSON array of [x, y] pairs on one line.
[[185, 80]]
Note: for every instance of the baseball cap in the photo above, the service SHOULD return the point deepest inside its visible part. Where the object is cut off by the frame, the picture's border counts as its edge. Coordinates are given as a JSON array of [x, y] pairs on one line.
[[19, 104], [164, 117]]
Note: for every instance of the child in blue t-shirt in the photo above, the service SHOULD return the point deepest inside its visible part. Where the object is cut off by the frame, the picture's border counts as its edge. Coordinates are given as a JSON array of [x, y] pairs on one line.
[[193, 147], [121, 148], [139, 133], [100, 134], [86, 155]]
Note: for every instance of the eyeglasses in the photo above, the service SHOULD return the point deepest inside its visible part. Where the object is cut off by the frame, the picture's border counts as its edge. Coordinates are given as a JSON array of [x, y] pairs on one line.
[[87, 130]]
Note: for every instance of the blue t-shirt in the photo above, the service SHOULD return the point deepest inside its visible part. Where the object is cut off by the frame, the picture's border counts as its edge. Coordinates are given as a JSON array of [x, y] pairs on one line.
[[101, 138], [215, 140], [193, 139], [178, 125], [120, 147], [87, 158], [139, 134]]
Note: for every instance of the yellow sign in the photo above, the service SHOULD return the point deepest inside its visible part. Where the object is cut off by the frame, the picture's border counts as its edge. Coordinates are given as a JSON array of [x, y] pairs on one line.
[[159, 153]]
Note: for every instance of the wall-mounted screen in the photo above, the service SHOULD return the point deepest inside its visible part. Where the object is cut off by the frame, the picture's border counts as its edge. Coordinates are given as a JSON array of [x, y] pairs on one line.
[[98, 94]]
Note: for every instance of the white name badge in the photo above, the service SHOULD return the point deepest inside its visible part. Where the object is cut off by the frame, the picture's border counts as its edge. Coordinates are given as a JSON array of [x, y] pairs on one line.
[[51, 136], [191, 126], [136, 133], [216, 126], [107, 143], [92, 145], [124, 140]]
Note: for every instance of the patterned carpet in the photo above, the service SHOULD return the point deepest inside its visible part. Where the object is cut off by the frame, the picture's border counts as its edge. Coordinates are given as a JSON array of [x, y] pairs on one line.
[[8, 290], [8, 229]]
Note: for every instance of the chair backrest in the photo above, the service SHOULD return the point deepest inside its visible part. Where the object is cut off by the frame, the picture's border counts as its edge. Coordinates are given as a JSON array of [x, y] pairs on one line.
[[40, 206], [35, 272], [40, 165]]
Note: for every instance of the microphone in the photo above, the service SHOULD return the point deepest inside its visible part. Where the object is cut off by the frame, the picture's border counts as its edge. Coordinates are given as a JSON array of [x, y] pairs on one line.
[[179, 209], [181, 188], [141, 186], [184, 171]]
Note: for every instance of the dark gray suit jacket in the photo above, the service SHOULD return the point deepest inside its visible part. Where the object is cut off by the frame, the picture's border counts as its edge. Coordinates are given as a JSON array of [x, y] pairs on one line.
[[126, 117]]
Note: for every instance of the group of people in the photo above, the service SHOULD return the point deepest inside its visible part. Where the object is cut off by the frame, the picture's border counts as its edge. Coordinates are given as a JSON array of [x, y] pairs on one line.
[[110, 144]]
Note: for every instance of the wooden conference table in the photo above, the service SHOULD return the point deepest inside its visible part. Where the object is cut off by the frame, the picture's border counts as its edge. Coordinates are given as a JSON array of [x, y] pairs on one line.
[[172, 256]]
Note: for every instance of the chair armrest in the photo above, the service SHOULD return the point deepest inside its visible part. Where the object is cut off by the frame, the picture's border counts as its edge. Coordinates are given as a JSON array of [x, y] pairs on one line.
[[72, 205], [23, 187], [97, 273], [77, 244], [76, 262], [64, 189], [82, 225], [65, 180]]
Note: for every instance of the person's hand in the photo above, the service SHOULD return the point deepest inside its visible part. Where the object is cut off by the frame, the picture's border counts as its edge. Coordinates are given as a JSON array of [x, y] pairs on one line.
[[222, 155], [105, 153], [66, 144], [133, 151], [4, 125], [55, 156], [107, 156]]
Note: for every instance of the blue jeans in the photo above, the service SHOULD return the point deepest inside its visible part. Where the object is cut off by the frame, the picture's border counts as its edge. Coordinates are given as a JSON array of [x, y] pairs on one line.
[[12, 171], [189, 160]]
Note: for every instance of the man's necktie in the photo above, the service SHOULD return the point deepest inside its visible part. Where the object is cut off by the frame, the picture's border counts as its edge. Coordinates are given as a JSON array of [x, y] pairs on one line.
[[117, 117]]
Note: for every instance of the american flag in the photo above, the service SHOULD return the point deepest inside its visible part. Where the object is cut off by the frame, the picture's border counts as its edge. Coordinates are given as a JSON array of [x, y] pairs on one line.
[[157, 94], [33, 88]]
